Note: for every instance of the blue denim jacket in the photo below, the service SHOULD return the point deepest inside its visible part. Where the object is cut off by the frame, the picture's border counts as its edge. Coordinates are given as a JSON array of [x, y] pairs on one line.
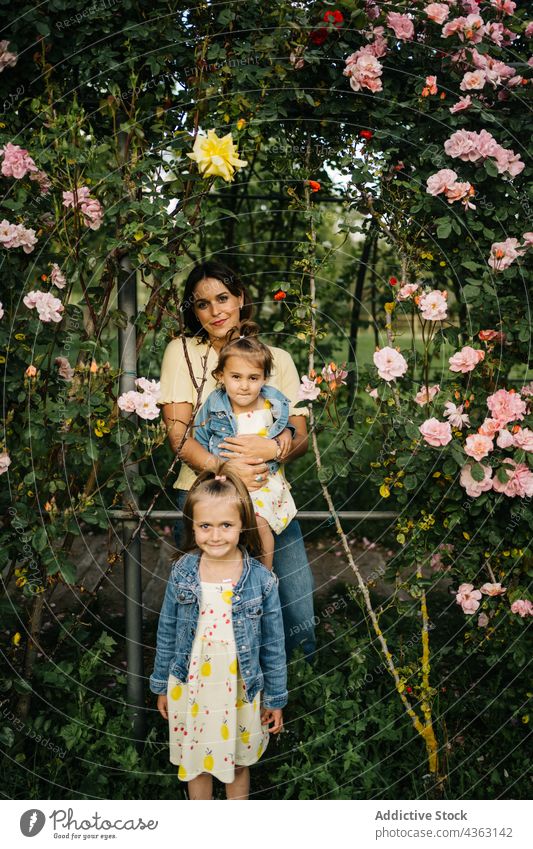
[[216, 420], [257, 625]]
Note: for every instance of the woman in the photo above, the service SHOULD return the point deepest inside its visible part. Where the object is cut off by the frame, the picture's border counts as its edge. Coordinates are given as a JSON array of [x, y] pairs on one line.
[[214, 301]]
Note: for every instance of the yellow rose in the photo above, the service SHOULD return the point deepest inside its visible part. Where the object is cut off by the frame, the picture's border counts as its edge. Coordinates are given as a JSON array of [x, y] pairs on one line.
[[216, 157]]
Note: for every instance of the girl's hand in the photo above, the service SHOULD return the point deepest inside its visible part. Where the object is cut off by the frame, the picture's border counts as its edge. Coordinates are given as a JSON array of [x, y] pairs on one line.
[[285, 441], [162, 706], [247, 470], [273, 718], [248, 447]]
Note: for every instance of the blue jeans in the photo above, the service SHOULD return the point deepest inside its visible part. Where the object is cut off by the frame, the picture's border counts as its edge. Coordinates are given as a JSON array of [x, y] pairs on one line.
[[295, 583]]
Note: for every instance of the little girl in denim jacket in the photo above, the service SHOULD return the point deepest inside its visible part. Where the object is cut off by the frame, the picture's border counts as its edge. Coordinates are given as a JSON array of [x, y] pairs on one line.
[[220, 667], [246, 404]]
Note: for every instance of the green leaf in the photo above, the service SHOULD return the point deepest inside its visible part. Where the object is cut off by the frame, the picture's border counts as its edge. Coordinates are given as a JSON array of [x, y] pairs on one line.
[[502, 475], [449, 466], [412, 431], [7, 737], [477, 472], [444, 228], [410, 482], [40, 539], [490, 168], [68, 571], [472, 266]]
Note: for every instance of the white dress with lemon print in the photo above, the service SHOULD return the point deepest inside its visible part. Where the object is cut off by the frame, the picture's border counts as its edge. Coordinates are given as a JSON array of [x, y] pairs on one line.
[[273, 501], [211, 727]]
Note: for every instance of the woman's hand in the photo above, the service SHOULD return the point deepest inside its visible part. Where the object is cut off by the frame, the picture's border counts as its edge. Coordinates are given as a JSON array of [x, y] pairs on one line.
[[248, 471], [248, 447], [273, 718], [162, 705]]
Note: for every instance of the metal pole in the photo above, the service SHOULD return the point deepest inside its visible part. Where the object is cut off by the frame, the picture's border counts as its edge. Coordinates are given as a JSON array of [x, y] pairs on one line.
[[127, 302]]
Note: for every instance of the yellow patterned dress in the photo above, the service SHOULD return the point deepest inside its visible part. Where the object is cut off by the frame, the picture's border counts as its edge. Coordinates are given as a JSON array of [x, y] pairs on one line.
[[211, 727], [273, 501]]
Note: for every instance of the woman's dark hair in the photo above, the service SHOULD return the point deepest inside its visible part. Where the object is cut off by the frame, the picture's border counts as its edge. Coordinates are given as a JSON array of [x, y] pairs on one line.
[[231, 281], [222, 484], [244, 341]]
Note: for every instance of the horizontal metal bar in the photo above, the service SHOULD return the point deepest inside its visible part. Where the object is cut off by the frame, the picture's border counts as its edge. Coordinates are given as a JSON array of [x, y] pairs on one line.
[[312, 515]]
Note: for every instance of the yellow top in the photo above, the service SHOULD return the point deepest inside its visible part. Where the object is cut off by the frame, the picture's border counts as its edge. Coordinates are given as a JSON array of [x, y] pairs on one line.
[[178, 387]]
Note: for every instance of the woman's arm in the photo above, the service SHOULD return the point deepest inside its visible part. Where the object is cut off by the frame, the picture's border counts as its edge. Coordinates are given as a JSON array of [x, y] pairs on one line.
[[248, 445], [177, 418]]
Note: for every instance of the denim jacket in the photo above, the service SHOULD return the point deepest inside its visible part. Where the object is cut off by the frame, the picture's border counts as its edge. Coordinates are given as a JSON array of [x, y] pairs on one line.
[[216, 420], [257, 625]]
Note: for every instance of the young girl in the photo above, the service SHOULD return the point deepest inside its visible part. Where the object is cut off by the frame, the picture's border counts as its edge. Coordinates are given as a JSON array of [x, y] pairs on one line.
[[220, 668], [246, 404]]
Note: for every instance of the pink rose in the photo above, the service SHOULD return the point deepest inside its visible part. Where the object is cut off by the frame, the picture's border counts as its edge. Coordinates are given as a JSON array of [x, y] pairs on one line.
[[402, 25], [426, 394], [506, 406], [463, 144], [7, 59], [373, 393], [507, 6], [462, 192], [503, 254], [150, 387], [145, 406], [1, 311], [468, 598], [453, 27], [57, 277], [523, 439], [492, 589], [492, 336], [308, 390], [439, 182], [127, 401], [64, 368], [462, 104], [364, 71], [519, 483], [528, 32], [523, 607], [433, 306], [5, 462], [390, 363], [437, 12], [482, 620], [487, 144], [475, 488], [17, 236], [489, 427], [473, 80], [505, 439], [17, 162], [407, 291], [48, 307], [455, 415], [466, 359], [478, 446], [436, 433]]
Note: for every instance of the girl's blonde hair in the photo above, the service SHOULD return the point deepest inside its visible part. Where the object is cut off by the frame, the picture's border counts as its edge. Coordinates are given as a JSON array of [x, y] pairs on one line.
[[222, 484], [243, 341]]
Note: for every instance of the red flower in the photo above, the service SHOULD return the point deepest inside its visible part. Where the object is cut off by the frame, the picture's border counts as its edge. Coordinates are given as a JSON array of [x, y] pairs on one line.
[[366, 134], [280, 295], [393, 281], [318, 36], [409, 689], [314, 185], [334, 17]]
